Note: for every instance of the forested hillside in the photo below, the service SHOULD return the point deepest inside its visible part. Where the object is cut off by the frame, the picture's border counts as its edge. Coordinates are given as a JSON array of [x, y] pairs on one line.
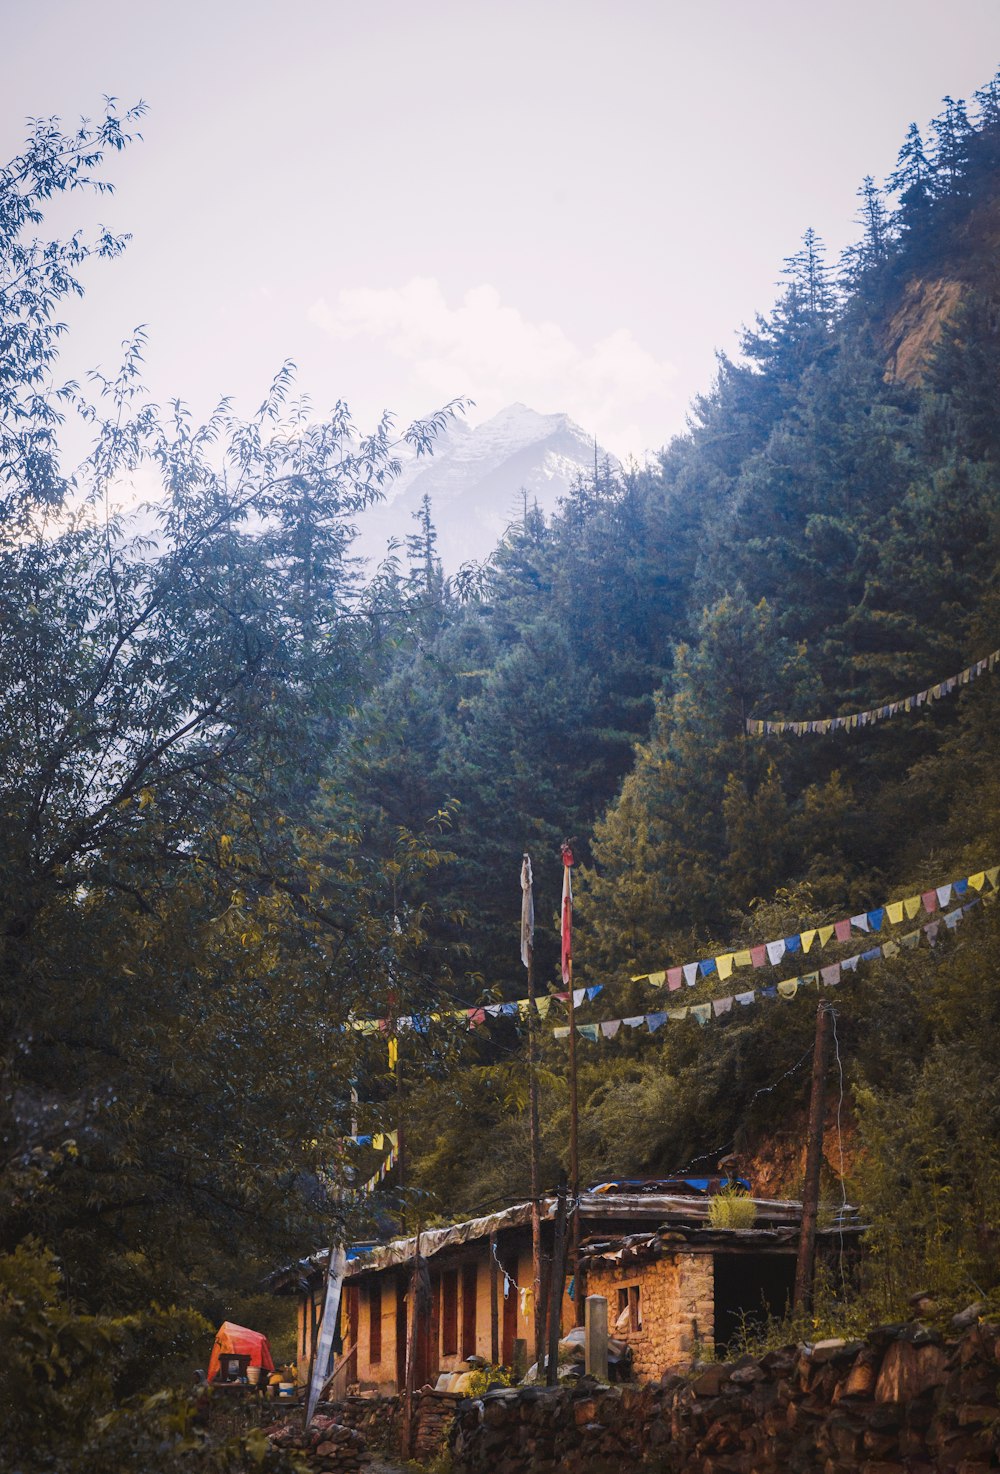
[[823, 540], [251, 801]]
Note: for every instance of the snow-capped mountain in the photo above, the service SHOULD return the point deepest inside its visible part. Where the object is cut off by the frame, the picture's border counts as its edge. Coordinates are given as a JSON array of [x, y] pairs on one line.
[[478, 480]]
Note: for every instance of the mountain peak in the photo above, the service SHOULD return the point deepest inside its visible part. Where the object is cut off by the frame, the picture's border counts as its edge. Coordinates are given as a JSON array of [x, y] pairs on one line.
[[477, 480]]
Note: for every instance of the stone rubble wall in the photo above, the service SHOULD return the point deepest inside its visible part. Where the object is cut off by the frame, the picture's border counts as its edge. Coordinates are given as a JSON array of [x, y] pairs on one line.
[[325, 1448], [904, 1401], [378, 1421]]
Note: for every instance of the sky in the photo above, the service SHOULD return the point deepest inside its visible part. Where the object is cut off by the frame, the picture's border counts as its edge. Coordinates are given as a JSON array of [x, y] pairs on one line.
[[568, 203]]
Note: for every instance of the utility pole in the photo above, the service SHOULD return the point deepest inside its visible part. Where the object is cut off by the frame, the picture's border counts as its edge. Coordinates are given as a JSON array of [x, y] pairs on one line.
[[528, 958], [805, 1263]]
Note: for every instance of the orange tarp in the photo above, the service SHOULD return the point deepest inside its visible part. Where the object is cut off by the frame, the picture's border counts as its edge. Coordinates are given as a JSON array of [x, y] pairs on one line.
[[233, 1340]]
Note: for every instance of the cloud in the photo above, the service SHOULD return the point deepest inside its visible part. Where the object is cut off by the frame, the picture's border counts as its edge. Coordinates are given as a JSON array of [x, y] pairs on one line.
[[485, 348]]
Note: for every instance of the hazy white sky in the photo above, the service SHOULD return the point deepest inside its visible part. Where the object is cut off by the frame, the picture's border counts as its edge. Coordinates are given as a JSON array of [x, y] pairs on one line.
[[567, 202]]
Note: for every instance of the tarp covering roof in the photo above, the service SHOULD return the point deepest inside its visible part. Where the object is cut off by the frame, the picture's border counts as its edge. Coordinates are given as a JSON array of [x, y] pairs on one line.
[[654, 1209], [234, 1340], [398, 1251]]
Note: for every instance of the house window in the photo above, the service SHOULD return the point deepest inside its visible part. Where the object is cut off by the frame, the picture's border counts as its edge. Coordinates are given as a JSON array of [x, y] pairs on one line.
[[449, 1312], [375, 1322], [629, 1316], [469, 1292]]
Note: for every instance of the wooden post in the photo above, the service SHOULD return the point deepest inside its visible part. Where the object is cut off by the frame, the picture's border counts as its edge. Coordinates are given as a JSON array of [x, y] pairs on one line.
[[412, 1332], [814, 1160], [574, 1146], [528, 956], [400, 1132], [558, 1279], [595, 1345], [494, 1303]]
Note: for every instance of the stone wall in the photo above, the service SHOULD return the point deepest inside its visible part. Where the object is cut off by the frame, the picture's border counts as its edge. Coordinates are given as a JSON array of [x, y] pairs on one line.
[[904, 1401], [379, 1422], [677, 1304]]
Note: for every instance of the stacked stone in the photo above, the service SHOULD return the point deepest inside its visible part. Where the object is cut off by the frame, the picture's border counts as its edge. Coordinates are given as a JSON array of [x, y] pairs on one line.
[[325, 1447], [433, 1415], [904, 1401], [376, 1418], [379, 1420]]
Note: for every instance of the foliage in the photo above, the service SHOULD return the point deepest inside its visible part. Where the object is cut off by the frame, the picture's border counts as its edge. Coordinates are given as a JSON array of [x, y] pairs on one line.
[[732, 1208], [76, 1389], [250, 796], [483, 1378]]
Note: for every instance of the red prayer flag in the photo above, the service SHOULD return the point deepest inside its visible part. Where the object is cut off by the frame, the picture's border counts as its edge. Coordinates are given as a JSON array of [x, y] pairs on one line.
[[567, 916]]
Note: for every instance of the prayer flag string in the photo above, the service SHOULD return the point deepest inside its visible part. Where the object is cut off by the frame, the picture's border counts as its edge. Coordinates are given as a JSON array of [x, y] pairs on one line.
[[890, 913], [758, 728], [826, 977], [878, 919]]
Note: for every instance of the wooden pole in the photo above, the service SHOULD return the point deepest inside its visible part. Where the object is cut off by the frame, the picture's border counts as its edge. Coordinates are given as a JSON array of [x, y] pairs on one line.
[[558, 1279], [814, 1160], [400, 1126], [412, 1332], [528, 953], [494, 1303], [574, 1116]]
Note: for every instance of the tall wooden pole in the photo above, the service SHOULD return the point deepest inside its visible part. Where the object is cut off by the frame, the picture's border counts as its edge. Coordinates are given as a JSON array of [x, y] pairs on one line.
[[494, 1303], [556, 1281], [528, 958], [400, 1129], [412, 1338], [574, 1148], [814, 1160]]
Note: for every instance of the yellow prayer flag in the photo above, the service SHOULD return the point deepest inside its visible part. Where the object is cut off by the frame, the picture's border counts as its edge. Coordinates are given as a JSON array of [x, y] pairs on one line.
[[378, 1142], [393, 1054], [725, 964], [894, 911], [523, 1007], [911, 906], [543, 1005], [789, 987], [978, 880], [889, 949], [657, 979], [742, 959], [993, 876], [808, 937], [677, 1014], [639, 977], [825, 933]]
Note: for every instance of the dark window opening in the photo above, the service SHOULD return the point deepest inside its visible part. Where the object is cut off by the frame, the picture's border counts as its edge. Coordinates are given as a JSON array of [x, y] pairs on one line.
[[375, 1322], [629, 1316], [749, 1288], [449, 1312], [470, 1286]]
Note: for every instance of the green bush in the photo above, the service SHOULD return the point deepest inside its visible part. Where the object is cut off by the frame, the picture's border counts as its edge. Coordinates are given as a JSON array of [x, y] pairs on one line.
[[732, 1208], [69, 1385]]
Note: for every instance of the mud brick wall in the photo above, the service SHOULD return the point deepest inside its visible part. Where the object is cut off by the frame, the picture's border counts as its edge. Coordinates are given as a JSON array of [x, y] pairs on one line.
[[904, 1401]]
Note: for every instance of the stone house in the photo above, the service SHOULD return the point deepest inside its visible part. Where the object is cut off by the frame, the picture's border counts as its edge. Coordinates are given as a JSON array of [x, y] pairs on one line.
[[676, 1287]]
